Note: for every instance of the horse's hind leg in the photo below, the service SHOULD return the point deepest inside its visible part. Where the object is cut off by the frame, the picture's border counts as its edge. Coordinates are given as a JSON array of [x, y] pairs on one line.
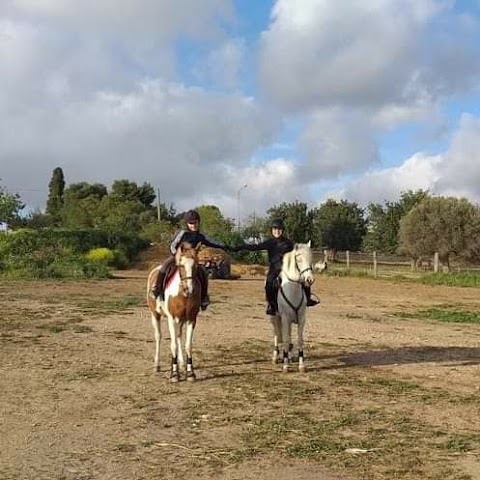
[[158, 336], [277, 337]]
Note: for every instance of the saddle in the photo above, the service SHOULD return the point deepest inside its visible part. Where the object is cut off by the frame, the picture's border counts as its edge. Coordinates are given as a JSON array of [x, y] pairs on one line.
[[171, 270]]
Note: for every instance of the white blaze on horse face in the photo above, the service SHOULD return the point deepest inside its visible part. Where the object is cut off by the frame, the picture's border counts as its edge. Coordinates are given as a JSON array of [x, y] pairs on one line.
[[305, 265], [188, 264]]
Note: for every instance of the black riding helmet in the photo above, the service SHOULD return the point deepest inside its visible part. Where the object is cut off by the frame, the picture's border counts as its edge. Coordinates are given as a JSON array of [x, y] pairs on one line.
[[277, 223], [192, 216]]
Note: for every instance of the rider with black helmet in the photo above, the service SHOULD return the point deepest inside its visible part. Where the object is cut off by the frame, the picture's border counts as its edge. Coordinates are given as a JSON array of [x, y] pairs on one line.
[[276, 246], [193, 236]]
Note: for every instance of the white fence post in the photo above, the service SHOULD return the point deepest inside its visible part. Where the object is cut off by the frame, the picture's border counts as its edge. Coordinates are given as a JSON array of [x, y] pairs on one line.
[[435, 262], [347, 253], [375, 266]]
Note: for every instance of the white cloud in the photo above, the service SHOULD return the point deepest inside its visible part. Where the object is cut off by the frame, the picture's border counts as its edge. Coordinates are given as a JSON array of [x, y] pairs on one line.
[[405, 54], [268, 184], [225, 62], [417, 172], [336, 142], [180, 139], [96, 87], [460, 170], [454, 172], [142, 18]]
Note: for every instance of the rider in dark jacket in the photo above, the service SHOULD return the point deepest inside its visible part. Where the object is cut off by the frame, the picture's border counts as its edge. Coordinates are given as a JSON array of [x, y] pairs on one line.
[[276, 246], [193, 236]]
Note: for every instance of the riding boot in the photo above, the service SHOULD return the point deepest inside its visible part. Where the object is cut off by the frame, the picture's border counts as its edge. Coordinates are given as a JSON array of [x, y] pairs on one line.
[[310, 301], [205, 301], [157, 290], [271, 293]]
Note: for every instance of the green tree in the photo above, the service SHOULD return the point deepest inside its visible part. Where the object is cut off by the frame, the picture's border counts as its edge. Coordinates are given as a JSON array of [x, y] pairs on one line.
[[437, 224], [168, 214], [10, 206], [127, 190], [56, 189], [472, 238], [296, 218], [214, 224], [383, 222], [338, 225], [255, 227], [81, 203], [115, 214]]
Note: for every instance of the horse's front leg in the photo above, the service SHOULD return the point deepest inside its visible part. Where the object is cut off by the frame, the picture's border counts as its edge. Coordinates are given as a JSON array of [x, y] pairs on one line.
[[173, 329], [158, 336], [301, 326], [277, 336], [181, 359], [286, 336], [188, 349]]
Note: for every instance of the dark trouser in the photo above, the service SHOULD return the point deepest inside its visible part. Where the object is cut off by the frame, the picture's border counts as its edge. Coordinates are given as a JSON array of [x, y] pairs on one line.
[[203, 276], [308, 291], [166, 267], [270, 285]]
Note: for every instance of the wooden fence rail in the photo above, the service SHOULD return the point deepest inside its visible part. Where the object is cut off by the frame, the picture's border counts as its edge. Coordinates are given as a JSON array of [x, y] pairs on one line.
[[375, 262]]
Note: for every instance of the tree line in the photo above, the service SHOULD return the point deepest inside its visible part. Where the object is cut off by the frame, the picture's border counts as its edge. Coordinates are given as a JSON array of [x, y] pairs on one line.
[[418, 224]]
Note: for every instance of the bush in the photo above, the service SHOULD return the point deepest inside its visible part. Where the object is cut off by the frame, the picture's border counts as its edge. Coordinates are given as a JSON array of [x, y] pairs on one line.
[[61, 253], [101, 255]]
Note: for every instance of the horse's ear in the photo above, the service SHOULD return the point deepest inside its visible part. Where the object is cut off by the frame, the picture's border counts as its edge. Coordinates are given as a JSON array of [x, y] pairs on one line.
[[309, 243], [198, 247]]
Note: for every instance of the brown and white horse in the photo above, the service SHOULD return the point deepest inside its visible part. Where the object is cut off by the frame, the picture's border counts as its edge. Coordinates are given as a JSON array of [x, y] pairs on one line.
[[181, 307], [292, 302]]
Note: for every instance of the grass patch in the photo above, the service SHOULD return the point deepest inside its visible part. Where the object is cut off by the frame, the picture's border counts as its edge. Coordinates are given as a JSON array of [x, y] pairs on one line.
[[452, 279], [447, 315]]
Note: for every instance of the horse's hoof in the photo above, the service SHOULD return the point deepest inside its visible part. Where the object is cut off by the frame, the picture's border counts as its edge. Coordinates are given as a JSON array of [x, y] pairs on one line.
[[285, 369], [174, 378], [191, 377], [302, 369]]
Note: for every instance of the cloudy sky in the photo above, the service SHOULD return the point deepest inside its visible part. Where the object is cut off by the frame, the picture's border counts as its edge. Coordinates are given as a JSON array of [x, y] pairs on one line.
[[298, 100]]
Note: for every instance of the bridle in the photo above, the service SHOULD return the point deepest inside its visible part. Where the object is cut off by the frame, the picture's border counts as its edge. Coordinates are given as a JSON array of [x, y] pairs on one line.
[[299, 270], [301, 280], [184, 278]]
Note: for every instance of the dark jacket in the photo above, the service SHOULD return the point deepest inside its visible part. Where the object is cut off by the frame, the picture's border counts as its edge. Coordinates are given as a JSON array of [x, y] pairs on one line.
[[194, 238], [276, 248]]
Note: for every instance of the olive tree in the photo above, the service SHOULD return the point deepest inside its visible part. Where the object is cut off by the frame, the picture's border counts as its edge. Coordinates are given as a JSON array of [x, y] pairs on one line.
[[437, 224]]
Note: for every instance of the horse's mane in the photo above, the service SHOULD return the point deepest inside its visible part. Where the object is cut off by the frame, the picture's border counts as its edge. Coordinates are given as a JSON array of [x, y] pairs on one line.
[[289, 258]]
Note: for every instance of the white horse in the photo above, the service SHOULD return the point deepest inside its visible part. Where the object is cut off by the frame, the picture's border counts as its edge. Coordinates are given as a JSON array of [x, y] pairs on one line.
[[292, 302], [181, 307]]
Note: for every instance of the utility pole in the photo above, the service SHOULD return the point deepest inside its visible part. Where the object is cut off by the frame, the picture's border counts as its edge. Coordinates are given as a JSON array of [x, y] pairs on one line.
[[238, 205], [159, 216]]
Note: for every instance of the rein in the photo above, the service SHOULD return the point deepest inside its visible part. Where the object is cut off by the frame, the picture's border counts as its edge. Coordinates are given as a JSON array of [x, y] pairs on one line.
[[300, 281], [291, 305]]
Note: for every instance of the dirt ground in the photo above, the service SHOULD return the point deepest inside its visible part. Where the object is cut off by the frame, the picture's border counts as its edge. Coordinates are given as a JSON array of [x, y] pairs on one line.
[[383, 397]]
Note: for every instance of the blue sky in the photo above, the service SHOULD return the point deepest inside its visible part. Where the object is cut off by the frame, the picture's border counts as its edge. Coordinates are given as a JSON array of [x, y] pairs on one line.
[[303, 100]]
